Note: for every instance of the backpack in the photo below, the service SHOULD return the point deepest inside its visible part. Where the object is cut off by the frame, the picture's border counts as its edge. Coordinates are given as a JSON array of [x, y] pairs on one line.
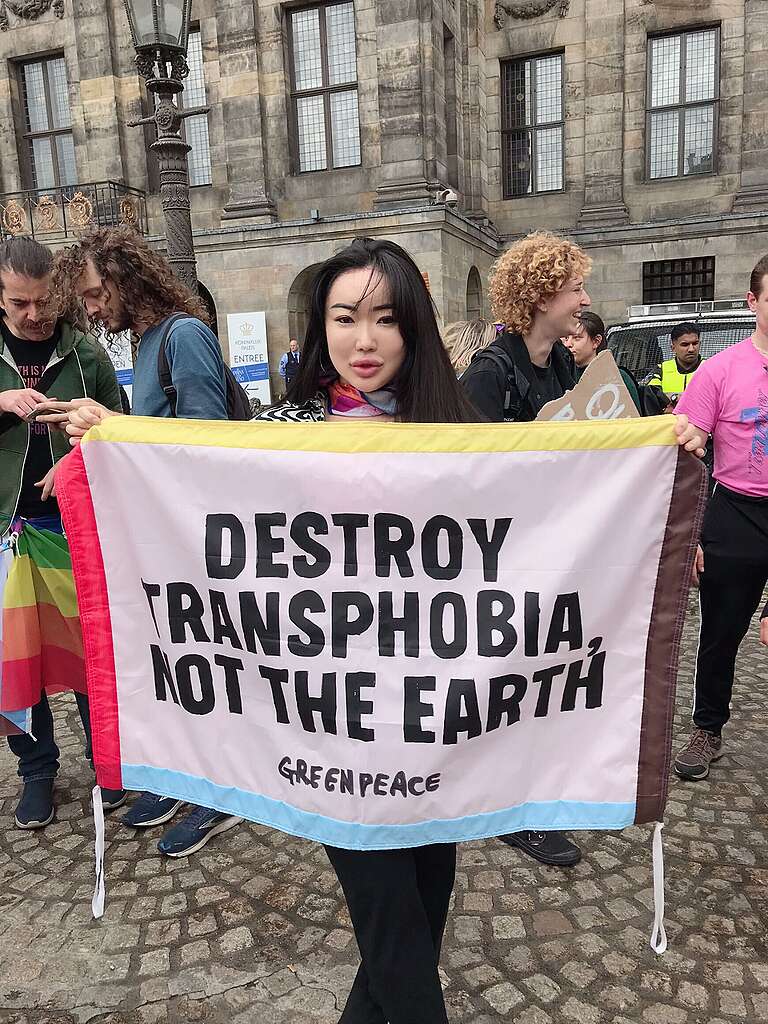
[[238, 403], [513, 400], [522, 399]]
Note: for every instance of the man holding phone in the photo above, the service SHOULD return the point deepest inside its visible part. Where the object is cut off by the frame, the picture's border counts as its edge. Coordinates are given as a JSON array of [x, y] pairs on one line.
[[41, 356]]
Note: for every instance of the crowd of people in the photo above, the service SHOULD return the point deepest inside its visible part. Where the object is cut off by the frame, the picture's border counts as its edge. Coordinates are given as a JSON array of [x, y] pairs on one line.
[[372, 349]]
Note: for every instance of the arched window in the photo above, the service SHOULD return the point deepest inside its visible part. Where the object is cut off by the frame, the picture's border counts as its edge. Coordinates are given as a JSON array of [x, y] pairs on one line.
[[474, 295], [298, 304], [210, 305]]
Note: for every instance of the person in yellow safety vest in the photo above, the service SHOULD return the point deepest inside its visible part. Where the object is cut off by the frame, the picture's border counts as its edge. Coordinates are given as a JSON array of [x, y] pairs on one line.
[[673, 374]]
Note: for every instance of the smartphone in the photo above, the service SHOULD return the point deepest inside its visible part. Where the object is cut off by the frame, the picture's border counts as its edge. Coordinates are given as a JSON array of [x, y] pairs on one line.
[[44, 409]]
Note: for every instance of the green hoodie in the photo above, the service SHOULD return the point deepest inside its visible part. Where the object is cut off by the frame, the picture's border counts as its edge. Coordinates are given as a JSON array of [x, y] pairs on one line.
[[86, 370]]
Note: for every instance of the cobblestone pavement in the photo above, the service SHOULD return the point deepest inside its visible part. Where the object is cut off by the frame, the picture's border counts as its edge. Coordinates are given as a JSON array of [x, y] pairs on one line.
[[253, 929]]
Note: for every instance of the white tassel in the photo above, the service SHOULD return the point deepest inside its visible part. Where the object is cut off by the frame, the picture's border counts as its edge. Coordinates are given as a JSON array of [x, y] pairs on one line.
[[97, 903], [659, 935]]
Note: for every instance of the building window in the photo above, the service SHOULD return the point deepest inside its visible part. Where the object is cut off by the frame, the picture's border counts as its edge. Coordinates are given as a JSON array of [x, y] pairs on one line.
[[47, 148], [324, 84], [683, 92], [679, 280], [196, 127], [532, 125]]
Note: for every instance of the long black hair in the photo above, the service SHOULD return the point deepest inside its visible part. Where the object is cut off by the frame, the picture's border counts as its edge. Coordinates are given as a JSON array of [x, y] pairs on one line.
[[425, 388]]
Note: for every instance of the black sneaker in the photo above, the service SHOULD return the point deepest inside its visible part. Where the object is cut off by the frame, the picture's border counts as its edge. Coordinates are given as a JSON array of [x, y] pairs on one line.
[[111, 799], [193, 832], [546, 847], [35, 809], [151, 810]]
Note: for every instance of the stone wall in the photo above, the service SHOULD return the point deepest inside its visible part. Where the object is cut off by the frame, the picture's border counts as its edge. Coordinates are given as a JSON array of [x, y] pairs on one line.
[[421, 131]]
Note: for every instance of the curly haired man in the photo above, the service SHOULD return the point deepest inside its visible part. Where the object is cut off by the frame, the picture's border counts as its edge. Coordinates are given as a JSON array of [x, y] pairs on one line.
[[537, 290], [125, 285]]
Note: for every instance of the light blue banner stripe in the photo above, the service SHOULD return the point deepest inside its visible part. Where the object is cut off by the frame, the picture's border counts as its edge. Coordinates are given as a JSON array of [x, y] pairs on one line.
[[559, 814], [21, 719]]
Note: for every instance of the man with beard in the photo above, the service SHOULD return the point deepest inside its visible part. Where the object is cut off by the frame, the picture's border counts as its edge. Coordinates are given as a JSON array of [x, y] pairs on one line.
[[125, 285], [41, 354]]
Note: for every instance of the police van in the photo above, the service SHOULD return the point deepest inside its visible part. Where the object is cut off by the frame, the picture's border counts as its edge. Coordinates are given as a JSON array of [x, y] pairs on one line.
[[642, 342]]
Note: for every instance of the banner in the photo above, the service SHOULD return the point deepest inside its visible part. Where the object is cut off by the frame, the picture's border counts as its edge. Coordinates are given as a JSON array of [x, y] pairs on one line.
[[390, 635], [41, 647], [247, 334]]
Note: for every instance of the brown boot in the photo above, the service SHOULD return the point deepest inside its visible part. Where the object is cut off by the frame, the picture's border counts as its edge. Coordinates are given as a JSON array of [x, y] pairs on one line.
[[694, 759]]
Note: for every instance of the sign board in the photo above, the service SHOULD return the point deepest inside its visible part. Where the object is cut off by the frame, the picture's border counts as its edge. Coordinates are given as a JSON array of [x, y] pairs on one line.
[[248, 357], [118, 348], [600, 394]]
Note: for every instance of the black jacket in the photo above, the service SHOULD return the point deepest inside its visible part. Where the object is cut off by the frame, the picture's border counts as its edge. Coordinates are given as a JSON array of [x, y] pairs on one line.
[[501, 382]]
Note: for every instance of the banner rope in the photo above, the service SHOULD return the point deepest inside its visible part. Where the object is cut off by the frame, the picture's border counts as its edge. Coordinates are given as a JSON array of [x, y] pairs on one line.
[[659, 935], [97, 903]]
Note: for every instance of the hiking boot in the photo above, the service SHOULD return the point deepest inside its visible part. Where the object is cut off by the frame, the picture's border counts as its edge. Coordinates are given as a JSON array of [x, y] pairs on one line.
[[694, 759], [35, 808], [193, 832], [546, 847], [151, 810]]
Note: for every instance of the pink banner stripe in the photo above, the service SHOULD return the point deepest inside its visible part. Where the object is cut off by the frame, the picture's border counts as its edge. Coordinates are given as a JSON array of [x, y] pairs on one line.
[[74, 496]]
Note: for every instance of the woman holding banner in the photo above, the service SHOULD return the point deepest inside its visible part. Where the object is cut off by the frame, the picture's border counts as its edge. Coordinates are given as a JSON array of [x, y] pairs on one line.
[[373, 350]]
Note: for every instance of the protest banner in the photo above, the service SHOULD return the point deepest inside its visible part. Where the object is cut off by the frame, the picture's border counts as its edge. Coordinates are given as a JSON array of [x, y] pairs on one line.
[[388, 636]]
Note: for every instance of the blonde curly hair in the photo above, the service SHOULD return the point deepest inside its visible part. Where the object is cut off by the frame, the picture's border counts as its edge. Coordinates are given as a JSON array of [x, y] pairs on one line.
[[532, 269]]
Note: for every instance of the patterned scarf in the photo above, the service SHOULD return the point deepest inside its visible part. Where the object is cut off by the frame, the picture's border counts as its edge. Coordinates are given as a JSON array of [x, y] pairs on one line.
[[345, 400]]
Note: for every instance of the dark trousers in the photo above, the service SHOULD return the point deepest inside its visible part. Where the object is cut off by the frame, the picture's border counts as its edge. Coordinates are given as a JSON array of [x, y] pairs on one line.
[[398, 902], [39, 757], [735, 543]]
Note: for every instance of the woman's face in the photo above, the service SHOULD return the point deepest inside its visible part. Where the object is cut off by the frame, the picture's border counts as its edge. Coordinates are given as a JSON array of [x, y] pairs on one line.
[[364, 340]]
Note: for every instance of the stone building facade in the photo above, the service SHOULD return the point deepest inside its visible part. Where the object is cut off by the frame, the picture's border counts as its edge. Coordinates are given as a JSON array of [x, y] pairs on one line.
[[637, 127]]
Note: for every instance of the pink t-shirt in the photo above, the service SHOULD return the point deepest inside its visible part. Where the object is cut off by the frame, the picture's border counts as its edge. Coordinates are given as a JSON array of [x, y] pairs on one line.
[[728, 397]]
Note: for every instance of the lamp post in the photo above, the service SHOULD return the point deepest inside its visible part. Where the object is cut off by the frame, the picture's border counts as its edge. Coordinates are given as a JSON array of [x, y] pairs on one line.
[[160, 29]]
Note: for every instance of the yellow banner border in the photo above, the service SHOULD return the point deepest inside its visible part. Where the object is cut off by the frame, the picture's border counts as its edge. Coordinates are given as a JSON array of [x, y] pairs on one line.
[[388, 438]]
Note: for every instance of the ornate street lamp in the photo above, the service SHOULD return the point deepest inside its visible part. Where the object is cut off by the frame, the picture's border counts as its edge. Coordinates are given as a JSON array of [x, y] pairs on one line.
[[160, 29]]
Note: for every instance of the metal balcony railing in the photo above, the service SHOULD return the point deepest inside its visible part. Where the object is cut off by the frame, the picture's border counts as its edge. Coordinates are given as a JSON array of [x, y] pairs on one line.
[[68, 210]]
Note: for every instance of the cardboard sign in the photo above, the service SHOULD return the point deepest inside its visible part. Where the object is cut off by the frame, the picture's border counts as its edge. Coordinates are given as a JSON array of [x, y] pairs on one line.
[[600, 394]]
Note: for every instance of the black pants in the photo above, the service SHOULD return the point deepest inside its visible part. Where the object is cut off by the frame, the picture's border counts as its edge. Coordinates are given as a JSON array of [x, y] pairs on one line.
[[735, 543], [398, 902], [39, 757]]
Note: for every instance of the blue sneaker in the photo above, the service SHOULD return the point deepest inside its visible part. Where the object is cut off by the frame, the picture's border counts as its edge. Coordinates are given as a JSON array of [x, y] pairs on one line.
[[151, 810], [193, 832]]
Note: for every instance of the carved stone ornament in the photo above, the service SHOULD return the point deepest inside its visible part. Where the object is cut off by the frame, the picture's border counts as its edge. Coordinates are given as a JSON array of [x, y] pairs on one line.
[[526, 9], [47, 214], [80, 210], [29, 10], [128, 214], [14, 217], [166, 116]]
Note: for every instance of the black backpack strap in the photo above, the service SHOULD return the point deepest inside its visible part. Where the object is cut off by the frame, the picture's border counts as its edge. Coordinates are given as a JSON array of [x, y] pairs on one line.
[[502, 361], [163, 367]]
